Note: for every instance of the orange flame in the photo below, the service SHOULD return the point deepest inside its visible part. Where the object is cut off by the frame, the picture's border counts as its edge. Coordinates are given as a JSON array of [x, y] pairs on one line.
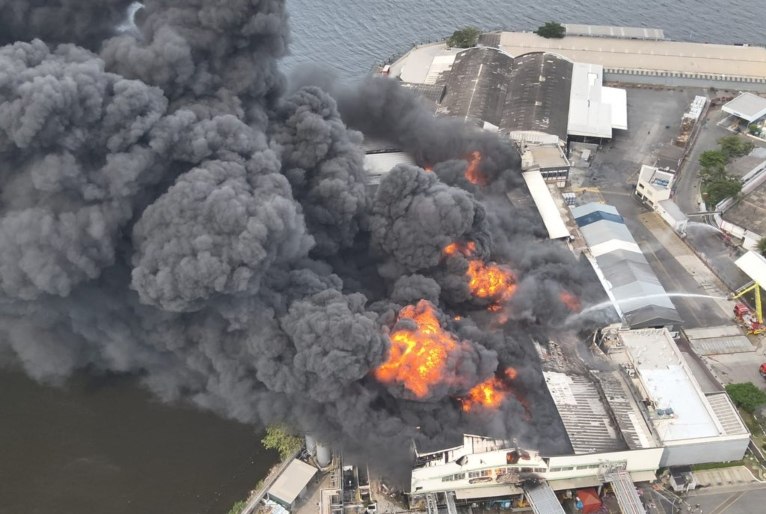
[[428, 169], [417, 357], [491, 281], [467, 249], [486, 280], [570, 301], [472, 173], [490, 393]]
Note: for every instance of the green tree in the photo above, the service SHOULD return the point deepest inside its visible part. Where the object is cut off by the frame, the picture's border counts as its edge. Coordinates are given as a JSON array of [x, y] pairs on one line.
[[734, 146], [278, 438], [464, 38], [237, 507], [754, 129], [762, 246], [551, 29], [746, 395], [718, 189], [712, 160]]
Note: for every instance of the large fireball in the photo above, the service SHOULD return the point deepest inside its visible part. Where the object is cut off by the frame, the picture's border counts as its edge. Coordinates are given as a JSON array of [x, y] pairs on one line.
[[418, 357]]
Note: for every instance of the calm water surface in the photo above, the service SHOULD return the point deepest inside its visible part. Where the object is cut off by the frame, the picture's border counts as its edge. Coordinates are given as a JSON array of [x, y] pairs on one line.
[[105, 446], [352, 35]]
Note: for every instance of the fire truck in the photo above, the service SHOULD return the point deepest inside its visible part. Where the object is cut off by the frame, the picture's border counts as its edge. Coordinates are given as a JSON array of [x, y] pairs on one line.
[[748, 319]]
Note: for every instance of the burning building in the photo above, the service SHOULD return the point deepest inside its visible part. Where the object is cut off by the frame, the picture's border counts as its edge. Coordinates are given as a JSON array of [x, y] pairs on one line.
[[173, 208], [641, 410]]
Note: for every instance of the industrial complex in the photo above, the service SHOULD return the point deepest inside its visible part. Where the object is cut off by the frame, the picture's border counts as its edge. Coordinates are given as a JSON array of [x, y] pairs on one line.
[[644, 402]]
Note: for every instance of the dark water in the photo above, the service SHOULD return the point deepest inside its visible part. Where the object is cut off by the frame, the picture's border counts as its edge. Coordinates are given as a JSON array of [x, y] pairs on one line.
[[352, 35], [104, 446]]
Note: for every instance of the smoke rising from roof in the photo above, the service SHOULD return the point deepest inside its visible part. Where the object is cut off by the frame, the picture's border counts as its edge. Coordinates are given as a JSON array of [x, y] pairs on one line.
[[168, 210]]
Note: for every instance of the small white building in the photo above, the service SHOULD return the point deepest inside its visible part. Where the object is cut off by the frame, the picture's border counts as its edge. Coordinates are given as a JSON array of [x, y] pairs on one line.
[[747, 107], [594, 110], [291, 484], [654, 185], [673, 215]]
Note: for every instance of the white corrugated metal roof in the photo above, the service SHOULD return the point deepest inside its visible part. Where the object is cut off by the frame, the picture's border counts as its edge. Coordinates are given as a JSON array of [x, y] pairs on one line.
[[292, 481], [673, 210], [747, 106], [612, 245], [618, 101], [588, 208], [547, 207], [574, 29], [754, 266], [588, 115]]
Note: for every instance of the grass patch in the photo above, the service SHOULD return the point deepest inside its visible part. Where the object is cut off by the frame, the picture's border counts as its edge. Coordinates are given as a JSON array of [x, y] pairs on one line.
[[717, 465]]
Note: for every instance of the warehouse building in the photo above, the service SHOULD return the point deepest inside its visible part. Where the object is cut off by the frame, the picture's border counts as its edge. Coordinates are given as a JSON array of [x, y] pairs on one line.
[[629, 281], [622, 425], [692, 427]]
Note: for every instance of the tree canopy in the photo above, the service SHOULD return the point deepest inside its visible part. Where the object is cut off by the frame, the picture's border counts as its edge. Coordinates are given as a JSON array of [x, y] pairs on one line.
[[464, 38], [551, 29], [734, 146], [278, 438], [712, 160], [720, 188], [746, 395], [762, 246]]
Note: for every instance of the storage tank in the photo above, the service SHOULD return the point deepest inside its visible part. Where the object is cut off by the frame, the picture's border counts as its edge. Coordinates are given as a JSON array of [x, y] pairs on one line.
[[324, 454], [311, 445]]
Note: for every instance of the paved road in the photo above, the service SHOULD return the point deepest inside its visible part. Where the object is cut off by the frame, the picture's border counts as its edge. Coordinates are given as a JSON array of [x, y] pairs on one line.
[[687, 192], [741, 499]]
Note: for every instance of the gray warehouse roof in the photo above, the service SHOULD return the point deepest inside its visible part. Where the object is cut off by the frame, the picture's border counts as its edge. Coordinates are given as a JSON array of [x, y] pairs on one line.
[[527, 93], [538, 97], [630, 280], [477, 84]]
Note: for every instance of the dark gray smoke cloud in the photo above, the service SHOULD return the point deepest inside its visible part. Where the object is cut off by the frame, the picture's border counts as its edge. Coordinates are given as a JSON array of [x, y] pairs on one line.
[[167, 210], [414, 216], [83, 22]]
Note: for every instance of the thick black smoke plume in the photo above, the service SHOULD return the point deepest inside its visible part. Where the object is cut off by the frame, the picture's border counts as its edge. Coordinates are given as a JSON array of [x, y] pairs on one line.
[[169, 210]]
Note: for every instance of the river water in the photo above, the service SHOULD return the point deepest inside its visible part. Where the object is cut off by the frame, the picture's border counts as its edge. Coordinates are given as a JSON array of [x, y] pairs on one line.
[[104, 445], [351, 36]]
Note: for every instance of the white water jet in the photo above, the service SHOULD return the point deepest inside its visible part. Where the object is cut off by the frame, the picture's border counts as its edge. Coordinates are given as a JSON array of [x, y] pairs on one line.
[[609, 303]]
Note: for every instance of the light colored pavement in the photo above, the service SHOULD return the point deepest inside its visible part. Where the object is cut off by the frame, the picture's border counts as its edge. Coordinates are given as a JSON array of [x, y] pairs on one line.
[[737, 367], [745, 498], [698, 58], [733, 475]]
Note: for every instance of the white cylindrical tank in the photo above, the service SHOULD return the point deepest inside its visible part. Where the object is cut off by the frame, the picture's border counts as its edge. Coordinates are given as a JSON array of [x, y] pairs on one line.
[[311, 445], [324, 454]]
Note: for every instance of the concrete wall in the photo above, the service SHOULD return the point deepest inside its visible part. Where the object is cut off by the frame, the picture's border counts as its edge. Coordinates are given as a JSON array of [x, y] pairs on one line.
[[647, 459], [670, 79], [708, 451]]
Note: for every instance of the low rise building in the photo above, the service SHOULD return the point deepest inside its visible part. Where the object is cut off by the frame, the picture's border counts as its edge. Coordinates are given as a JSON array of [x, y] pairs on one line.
[[692, 427], [291, 484], [654, 185], [747, 107], [549, 159]]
